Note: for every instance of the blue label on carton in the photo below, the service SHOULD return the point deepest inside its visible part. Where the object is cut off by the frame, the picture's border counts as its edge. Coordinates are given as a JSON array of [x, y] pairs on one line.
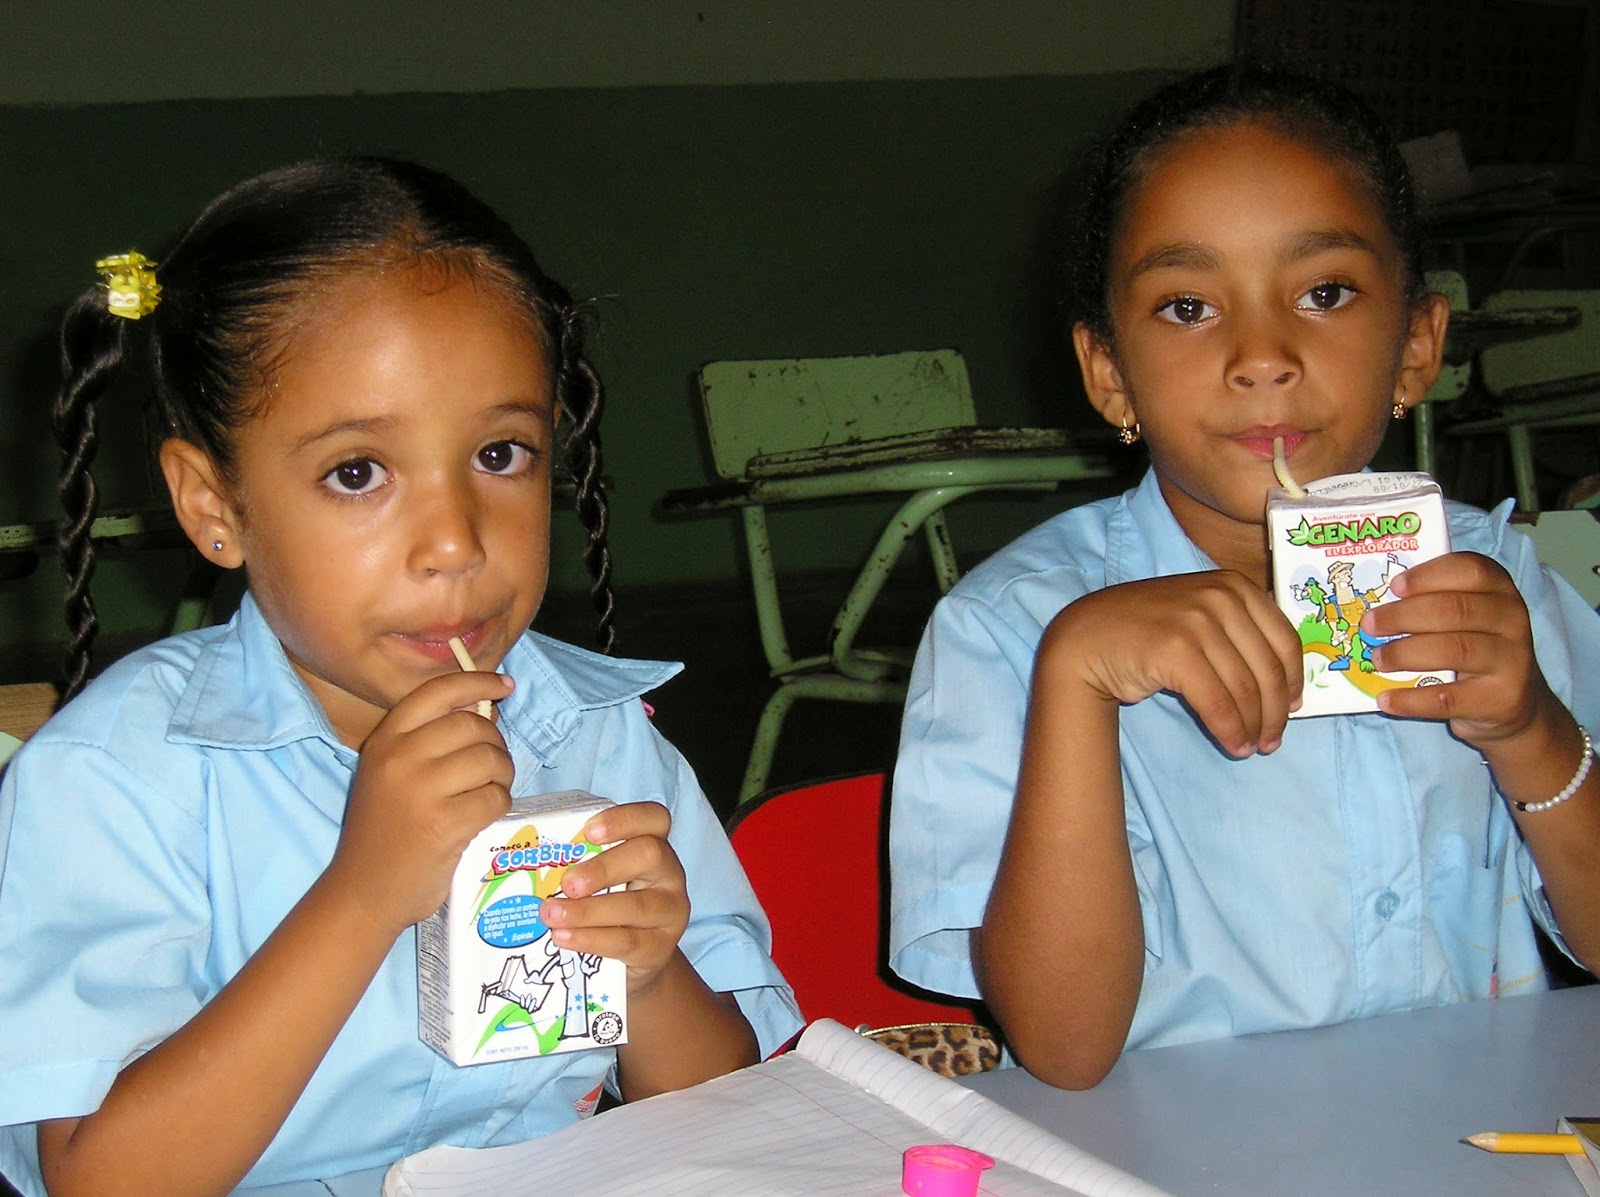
[[511, 922]]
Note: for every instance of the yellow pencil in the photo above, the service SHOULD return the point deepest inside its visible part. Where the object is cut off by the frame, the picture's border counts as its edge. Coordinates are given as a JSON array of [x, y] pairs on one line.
[[1527, 1144]]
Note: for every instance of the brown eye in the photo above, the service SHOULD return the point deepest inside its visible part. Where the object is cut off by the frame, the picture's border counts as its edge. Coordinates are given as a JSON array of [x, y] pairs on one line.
[[1325, 297], [504, 457], [1185, 309], [355, 477]]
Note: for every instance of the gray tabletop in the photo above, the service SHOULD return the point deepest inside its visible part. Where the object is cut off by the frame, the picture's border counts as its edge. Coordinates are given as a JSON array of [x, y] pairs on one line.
[[1373, 1107]]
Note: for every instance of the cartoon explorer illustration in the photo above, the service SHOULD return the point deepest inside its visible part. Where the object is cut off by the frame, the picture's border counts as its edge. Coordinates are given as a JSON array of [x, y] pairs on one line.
[[532, 990], [1342, 611]]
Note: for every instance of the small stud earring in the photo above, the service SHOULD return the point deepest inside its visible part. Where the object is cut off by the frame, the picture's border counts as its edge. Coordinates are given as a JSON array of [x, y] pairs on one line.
[[1128, 435], [216, 546]]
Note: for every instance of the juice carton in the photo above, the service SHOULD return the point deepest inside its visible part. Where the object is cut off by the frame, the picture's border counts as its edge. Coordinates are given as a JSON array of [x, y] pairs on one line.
[[491, 983], [1334, 552]]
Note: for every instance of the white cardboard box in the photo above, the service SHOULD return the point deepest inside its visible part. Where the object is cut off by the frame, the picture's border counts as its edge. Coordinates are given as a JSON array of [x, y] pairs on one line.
[[1334, 553], [491, 983]]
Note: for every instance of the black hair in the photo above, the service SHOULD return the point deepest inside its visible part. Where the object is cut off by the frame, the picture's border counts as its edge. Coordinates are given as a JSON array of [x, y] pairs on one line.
[[1300, 105], [231, 289]]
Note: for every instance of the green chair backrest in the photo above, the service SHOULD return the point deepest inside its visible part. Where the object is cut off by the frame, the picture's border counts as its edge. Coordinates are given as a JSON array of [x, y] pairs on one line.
[[1569, 353], [758, 408]]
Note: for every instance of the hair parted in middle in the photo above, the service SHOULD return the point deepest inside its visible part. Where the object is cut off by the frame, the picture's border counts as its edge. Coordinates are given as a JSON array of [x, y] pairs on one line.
[[1303, 106], [235, 286]]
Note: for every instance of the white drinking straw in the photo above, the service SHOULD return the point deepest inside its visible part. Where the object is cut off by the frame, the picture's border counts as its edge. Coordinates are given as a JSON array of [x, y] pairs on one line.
[[1280, 467], [464, 659]]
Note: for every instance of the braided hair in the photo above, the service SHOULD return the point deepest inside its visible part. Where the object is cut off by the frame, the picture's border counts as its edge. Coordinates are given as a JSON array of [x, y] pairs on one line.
[[232, 287], [1302, 106]]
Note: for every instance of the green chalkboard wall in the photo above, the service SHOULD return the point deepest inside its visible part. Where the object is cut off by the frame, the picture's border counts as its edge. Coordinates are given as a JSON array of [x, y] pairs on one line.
[[707, 221]]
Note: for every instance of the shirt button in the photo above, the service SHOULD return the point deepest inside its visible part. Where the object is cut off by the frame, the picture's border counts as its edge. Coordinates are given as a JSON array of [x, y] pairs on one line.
[[1387, 903]]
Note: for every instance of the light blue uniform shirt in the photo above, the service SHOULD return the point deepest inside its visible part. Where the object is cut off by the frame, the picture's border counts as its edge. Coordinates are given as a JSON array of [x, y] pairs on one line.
[[1367, 865], [157, 830]]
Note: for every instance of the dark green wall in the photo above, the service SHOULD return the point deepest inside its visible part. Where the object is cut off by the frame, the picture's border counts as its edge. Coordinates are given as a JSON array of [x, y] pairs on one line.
[[711, 222]]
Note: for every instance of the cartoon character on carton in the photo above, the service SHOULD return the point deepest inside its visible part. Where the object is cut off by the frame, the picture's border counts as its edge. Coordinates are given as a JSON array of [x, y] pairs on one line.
[[1342, 610]]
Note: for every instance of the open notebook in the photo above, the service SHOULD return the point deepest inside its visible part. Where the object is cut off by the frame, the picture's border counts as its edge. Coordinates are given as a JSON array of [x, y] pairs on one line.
[[831, 1117]]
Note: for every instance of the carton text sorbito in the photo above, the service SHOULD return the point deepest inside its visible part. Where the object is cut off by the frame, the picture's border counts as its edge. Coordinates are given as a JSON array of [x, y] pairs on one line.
[[1334, 552], [491, 983]]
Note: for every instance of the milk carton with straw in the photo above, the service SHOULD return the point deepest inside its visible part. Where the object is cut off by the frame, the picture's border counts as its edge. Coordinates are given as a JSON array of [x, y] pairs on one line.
[[1337, 544], [492, 984]]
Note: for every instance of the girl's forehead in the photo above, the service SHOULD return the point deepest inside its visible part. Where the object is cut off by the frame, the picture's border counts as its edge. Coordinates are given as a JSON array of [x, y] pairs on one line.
[[370, 340], [1245, 178], [391, 282]]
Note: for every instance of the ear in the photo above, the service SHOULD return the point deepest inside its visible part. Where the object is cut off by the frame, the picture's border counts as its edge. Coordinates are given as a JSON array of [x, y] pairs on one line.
[[1423, 354], [200, 499], [1102, 378]]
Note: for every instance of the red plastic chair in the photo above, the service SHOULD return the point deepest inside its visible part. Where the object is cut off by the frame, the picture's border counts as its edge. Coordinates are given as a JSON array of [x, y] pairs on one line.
[[816, 858]]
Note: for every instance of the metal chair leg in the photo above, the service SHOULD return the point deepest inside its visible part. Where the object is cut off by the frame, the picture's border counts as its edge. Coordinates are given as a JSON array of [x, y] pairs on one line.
[[913, 514], [1423, 430], [765, 743], [1521, 441], [945, 570], [764, 580], [827, 686]]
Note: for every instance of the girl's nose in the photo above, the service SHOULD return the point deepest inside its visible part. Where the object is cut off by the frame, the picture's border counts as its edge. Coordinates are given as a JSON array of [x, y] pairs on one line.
[[445, 532], [1264, 356]]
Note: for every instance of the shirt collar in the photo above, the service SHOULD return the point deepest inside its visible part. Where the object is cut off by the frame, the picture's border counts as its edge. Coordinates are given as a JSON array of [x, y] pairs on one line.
[[1143, 539], [244, 694]]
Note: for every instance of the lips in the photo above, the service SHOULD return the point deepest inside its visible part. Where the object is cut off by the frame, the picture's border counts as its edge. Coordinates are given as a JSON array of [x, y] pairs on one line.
[[1258, 441], [434, 642]]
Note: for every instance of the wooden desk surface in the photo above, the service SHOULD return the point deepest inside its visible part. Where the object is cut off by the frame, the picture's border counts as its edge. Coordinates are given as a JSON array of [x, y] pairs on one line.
[[1375, 1107], [24, 706]]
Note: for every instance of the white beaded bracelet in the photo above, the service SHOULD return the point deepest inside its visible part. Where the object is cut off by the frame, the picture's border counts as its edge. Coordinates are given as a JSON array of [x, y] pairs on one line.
[[1572, 786]]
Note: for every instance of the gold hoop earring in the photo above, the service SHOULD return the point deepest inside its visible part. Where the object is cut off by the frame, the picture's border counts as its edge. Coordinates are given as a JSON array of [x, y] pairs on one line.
[[1128, 435]]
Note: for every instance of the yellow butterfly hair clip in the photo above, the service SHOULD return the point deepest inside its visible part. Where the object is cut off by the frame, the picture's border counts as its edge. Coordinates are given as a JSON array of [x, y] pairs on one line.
[[130, 282]]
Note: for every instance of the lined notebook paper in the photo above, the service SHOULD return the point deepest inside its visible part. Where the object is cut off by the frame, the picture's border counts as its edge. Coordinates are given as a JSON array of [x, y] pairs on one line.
[[828, 1119], [1585, 1167]]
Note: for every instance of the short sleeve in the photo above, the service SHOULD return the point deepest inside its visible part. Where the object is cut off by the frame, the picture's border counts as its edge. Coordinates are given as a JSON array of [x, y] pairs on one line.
[[954, 782], [104, 926], [728, 940]]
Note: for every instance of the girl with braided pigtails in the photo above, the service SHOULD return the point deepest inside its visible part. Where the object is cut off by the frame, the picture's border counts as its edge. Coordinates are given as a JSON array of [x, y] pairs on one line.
[[363, 379]]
